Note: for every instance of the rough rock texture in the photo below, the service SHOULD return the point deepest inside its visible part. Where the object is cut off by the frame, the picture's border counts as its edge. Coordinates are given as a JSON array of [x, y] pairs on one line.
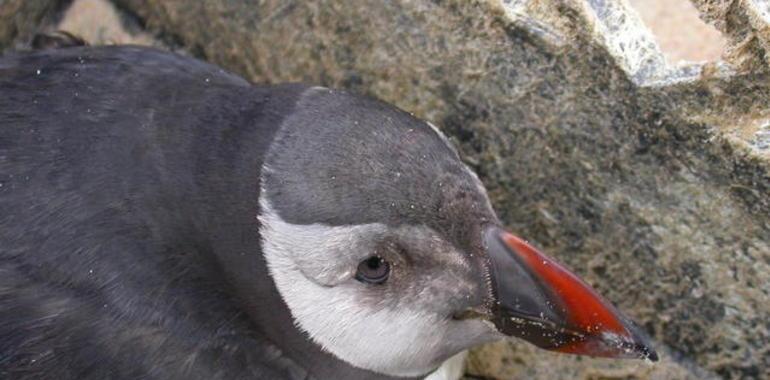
[[20, 19], [652, 181], [747, 23]]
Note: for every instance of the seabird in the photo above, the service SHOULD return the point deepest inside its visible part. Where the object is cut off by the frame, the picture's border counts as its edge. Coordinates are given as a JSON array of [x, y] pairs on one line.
[[163, 218]]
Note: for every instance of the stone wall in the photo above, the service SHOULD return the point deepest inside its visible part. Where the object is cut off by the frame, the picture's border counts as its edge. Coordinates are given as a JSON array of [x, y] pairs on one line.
[[650, 180]]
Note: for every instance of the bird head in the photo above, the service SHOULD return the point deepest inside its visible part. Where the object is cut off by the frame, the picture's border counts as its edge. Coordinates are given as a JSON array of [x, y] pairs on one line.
[[386, 249]]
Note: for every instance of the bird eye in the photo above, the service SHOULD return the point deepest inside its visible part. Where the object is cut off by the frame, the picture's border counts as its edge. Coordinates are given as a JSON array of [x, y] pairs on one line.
[[373, 270]]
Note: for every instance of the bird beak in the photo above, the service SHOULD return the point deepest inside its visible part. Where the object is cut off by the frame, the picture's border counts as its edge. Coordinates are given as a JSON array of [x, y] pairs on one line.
[[540, 301]]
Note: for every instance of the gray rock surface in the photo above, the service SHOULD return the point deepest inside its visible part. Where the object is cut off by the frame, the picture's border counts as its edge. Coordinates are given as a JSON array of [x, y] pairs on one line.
[[652, 181]]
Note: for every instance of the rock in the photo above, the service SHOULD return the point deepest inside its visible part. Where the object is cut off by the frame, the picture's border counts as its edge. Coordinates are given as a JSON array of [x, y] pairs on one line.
[[680, 33], [96, 21], [747, 23], [100, 23], [652, 181], [21, 19]]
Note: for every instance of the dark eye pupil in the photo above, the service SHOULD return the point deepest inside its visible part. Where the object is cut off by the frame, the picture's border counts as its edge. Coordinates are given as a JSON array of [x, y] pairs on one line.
[[374, 270], [374, 263]]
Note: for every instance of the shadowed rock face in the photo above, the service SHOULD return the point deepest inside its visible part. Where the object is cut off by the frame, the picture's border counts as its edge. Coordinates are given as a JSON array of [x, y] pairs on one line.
[[649, 180]]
